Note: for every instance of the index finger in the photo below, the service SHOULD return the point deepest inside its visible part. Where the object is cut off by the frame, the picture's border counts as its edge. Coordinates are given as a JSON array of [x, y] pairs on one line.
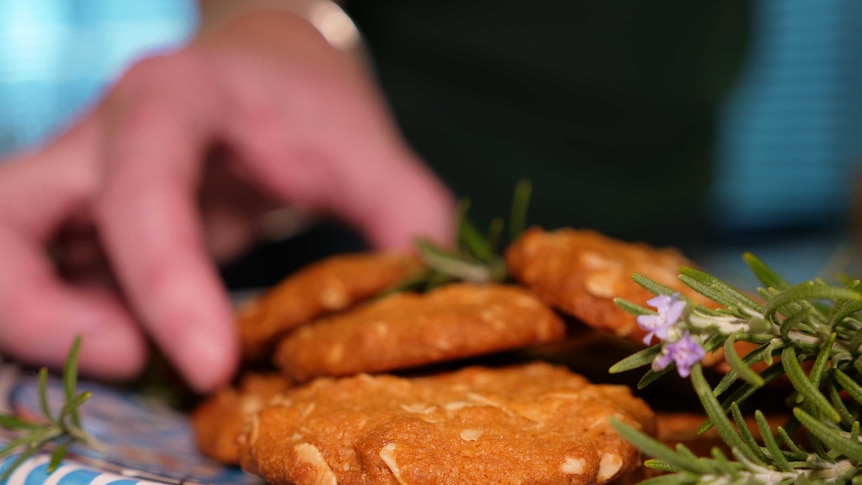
[[150, 226]]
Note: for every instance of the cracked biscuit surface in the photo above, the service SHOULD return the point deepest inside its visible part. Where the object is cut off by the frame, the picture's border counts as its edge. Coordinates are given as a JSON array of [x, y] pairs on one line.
[[532, 423], [328, 286], [580, 272], [408, 330]]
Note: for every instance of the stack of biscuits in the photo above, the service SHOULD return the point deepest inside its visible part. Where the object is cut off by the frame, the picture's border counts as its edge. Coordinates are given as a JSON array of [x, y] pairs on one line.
[[361, 395]]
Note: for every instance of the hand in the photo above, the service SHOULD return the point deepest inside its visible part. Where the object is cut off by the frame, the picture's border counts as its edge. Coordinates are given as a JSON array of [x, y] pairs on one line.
[[291, 117]]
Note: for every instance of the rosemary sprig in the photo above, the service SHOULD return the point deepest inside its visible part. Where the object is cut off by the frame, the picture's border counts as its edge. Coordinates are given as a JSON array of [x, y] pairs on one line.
[[476, 258], [816, 330], [58, 429]]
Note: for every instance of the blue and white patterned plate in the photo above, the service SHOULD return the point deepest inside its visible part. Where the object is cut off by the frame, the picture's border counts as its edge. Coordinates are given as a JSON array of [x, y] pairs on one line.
[[145, 441]]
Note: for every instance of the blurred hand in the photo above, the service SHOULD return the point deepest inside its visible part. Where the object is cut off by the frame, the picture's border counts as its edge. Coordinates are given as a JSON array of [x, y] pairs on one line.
[[287, 115]]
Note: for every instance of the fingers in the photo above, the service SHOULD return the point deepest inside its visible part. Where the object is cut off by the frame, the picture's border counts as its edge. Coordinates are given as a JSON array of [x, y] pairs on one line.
[[331, 147], [39, 314], [151, 228], [41, 317], [416, 203], [311, 127], [397, 199]]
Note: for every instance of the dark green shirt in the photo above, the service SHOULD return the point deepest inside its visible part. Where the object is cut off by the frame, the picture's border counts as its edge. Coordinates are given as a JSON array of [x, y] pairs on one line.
[[607, 106]]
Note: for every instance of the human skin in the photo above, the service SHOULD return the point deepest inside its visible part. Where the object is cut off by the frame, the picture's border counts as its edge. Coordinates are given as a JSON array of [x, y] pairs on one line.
[[295, 121]]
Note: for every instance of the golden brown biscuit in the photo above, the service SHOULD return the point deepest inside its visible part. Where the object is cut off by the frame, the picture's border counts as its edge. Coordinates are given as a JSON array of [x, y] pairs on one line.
[[328, 286], [532, 423], [580, 272], [408, 330], [218, 421]]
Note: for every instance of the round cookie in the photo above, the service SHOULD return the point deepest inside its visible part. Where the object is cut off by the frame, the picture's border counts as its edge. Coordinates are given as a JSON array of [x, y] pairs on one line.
[[408, 330], [325, 287], [218, 421], [580, 272], [533, 423]]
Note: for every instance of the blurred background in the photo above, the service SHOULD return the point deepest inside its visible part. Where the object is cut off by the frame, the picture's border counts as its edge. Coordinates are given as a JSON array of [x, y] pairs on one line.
[[718, 129]]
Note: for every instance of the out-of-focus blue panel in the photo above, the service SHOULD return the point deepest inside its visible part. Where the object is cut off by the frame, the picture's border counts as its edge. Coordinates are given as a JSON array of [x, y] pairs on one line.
[[57, 56], [791, 135]]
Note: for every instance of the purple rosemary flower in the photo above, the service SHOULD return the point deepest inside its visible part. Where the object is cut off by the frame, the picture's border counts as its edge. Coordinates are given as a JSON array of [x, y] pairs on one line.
[[669, 309], [685, 352]]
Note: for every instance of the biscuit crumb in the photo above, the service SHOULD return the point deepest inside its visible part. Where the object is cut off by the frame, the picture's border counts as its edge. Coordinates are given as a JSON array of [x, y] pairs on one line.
[[381, 328], [609, 466], [387, 454], [310, 454], [602, 284], [594, 260], [307, 411], [419, 408], [456, 405], [252, 431], [470, 434], [334, 298], [335, 353], [572, 466]]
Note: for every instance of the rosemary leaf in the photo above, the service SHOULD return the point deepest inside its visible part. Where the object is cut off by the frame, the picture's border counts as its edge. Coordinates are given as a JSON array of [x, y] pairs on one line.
[[804, 386], [847, 418], [13, 422], [632, 308], [495, 231], [822, 358], [764, 273], [57, 456], [745, 433], [452, 264], [658, 450], [795, 451], [660, 465], [775, 454], [842, 310], [37, 436], [651, 376], [745, 391], [718, 418], [638, 359], [520, 205], [809, 291], [652, 286], [793, 322], [736, 362], [829, 435], [70, 408], [713, 286], [43, 393], [70, 377], [474, 242], [853, 388]]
